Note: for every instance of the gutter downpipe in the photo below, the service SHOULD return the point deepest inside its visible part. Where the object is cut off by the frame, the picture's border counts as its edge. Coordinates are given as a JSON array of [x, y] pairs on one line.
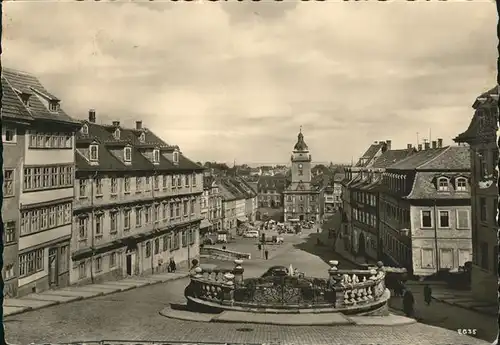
[[92, 229]]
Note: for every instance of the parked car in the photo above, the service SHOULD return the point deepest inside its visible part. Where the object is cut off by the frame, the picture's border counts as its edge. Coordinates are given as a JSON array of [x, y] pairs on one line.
[[251, 234], [274, 271]]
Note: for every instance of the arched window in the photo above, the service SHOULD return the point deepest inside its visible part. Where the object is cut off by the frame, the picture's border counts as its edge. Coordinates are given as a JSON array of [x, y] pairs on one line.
[[461, 184], [443, 184], [85, 129]]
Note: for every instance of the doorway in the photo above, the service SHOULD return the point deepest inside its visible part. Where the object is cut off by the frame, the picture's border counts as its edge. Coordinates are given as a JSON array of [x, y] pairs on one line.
[[301, 217], [53, 267], [129, 264]]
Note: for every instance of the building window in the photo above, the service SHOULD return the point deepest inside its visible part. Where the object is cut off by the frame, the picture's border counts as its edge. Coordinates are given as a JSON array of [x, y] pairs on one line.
[[138, 217], [426, 219], [156, 156], [443, 184], [114, 185], [9, 134], [186, 181], [116, 134], [98, 264], [8, 182], [82, 270], [444, 219], [148, 184], [185, 207], [148, 249], [147, 215], [126, 183], [483, 214], [138, 184], [166, 240], [85, 129], [179, 181], [194, 180], [94, 153], [112, 260], [165, 182], [9, 232], [193, 206], [156, 213], [8, 272], [184, 239], [427, 258], [463, 219], [172, 213], [127, 154], [165, 211], [126, 219], [113, 220], [157, 246], [98, 225], [47, 177], [82, 228], [176, 157], [30, 263], [83, 188], [461, 184], [53, 106], [98, 186], [156, 182], [177, 209], [142, 137]]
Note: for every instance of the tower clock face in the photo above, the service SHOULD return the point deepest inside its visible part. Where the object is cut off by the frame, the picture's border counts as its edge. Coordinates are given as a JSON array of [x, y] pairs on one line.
[[300, 166]]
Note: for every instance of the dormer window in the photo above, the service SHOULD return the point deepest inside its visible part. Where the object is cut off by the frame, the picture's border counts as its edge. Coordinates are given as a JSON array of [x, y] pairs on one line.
[[156, 156], [85, 129], [461, 184], [176, 157], [443, 184], [25, 97], [116, 134], [94, 153], [142, 137], [53, 106], [127, 154]]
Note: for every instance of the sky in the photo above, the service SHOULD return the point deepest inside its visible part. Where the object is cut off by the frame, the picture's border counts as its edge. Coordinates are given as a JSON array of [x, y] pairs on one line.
[[235, 81]]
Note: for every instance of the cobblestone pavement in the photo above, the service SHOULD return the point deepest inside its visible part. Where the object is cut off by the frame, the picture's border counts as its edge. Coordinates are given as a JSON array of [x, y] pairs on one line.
[[134, 315]]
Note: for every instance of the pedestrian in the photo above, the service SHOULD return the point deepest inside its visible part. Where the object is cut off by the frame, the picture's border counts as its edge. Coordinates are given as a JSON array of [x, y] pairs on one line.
[[427, 294], [266, 254], [259, 246], [172, 267], [223, 247], [408, 303]]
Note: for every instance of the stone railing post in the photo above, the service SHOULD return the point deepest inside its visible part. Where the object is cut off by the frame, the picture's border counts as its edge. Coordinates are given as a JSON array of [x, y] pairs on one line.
[[228, 289], [238, 272], [197, 273], [334, 281]]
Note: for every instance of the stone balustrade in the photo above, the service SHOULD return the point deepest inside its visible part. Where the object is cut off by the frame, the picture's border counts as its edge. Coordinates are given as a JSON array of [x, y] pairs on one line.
[[343, 290]]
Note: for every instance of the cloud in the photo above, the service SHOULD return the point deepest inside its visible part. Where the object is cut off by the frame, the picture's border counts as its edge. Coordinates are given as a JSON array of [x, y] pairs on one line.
[[226, 81]]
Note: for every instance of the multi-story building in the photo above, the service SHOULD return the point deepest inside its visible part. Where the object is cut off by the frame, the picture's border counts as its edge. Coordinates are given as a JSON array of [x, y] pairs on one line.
[[270, 191], [230, 223], [481, 136], [336, 184], [205, 223], [425, 210], [301, 197], [38, 138], [212, 204], [365, 204], [137, 203], [351, 175]]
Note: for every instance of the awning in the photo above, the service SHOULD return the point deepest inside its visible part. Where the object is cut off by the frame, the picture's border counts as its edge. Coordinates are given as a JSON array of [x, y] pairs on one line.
[[242, 219], [204, 224]]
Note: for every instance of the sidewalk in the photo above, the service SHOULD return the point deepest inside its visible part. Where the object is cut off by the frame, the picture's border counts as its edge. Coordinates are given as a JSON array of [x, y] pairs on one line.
[[12, 306], [464, 299]]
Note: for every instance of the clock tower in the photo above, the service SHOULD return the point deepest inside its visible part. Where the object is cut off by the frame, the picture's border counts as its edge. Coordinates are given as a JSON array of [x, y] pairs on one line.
[[301, 161]]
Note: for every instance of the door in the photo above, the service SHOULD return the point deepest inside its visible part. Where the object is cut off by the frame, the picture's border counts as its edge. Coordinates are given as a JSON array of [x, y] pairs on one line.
[[129, 264], [446, 258], [53, 267]]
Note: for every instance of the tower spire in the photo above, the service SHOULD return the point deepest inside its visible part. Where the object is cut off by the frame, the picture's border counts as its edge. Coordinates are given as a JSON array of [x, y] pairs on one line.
[[300, 129]]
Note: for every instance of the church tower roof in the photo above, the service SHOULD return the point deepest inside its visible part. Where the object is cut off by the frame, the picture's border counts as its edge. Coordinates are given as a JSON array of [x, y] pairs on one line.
[[301, 144]]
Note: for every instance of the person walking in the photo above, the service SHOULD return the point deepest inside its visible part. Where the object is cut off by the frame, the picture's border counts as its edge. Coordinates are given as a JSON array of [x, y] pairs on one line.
[[427, 294], [266, 254], [408, 303], [172, 267]]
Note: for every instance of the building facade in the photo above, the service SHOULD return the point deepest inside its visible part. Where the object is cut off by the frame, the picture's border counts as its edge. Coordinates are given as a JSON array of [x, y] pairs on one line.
[[301, 198], [137, 203], [270, 191], [212, 204], [425, 210], [38, 185], [481, 136]]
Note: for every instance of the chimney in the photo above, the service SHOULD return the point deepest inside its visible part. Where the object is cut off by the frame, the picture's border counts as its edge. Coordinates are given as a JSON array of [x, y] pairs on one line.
[[138, 125], [116, 123], [420, 147], [440, 142], [434, 144], [92, 115], [408, 146], [388, 143], [427, 145]]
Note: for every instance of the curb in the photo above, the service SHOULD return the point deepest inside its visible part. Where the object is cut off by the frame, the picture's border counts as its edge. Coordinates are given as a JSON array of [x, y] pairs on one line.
[[104, 293], [464, 307]]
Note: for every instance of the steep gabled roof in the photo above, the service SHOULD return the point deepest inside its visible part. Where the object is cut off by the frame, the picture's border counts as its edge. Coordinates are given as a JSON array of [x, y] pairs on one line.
[[370, 153], [391, 157], [26, 83], [417, 159]]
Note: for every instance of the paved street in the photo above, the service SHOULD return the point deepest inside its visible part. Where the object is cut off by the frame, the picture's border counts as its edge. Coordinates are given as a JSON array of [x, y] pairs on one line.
[[134, 315]]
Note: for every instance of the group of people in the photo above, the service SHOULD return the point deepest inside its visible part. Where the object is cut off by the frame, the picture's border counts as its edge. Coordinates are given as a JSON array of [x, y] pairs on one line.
[[409, 299]]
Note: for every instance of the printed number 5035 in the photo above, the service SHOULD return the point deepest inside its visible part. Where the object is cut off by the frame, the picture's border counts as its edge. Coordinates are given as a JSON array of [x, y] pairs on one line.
[[467, 331]]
